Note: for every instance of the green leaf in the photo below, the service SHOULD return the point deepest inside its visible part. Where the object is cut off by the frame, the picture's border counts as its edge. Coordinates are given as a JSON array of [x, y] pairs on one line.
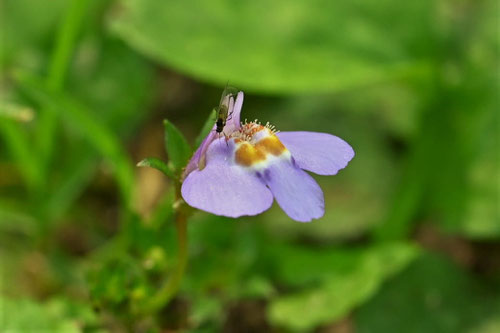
[[111, 281], [57, 315], [343, 281], [482, 218], [157, 164], [74, 176], [206, 309], [17, 142], [16, 111], [119, 98], [98, 134], [125, 94], [310, 46], [176, 145], [432, 295], [22, 44], [15, 218]]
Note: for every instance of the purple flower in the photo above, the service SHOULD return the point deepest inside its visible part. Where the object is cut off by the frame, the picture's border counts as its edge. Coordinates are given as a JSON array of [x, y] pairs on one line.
[[242, 172]]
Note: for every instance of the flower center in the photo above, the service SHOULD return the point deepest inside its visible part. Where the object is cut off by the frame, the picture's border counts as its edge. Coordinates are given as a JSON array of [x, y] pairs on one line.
[[257, 144]]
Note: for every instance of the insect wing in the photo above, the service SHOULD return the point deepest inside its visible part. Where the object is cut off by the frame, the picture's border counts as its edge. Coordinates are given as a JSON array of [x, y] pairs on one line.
[[228, 92]]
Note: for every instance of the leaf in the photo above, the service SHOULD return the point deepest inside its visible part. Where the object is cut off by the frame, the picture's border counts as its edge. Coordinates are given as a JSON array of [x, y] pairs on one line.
[[157, 164], [309, 46], [17, 219], [114, 97], [482, 218], [57, 315], [117, 97], [17, 141], [432, 295], [205, 309], [16, 111], [176, 145], [345, 280], [22, 43], [111, 281], [97, 134]]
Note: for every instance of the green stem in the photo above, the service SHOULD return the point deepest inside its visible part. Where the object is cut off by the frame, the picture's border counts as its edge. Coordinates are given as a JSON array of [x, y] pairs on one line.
[[59, 63], [171, 286]]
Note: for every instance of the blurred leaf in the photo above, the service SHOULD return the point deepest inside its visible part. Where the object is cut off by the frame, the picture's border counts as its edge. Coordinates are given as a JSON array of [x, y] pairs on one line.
[[127, 274], [309, 46], [176, 145], [118, 97], [58, 64], [115, 97], [17, 141], [482, 218], [343, 280], [432, 295], [57, 315], [209, 279], [409, 192], [23, 44], [112, 281], [157, 164], [454, 103], [210, 237], [15, 219], [74, 177], [16, 111], [257, 287], [98, 134], [206, 309]]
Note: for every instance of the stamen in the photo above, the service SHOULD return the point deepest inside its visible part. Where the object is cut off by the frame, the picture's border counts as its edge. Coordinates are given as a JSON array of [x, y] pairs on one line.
[[256, 143]]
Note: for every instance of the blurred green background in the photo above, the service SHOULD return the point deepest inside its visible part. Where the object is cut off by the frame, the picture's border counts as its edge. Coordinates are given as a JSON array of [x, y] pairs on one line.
[[410, 241]]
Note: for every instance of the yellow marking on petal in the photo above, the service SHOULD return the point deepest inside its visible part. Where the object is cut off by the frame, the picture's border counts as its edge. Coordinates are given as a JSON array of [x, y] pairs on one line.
[[247, 155], [272, 145]]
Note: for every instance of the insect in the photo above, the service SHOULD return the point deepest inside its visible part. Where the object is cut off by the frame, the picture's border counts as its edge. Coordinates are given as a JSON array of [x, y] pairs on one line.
[[222, 111]]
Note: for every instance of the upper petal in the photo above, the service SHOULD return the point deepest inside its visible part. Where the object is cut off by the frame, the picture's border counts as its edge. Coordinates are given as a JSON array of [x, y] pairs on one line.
[[232, 125], [223, 188], [296, 192], [321, 153], [233, 122]]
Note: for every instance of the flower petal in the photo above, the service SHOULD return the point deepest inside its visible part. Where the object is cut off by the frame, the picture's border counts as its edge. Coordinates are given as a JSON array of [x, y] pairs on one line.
[[233, 122], [199, 155], [321, 153], [223, 188], [296, 192]]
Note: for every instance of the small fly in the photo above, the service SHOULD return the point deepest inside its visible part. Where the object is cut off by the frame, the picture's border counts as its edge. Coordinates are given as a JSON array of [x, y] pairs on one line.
[[222, 111]]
